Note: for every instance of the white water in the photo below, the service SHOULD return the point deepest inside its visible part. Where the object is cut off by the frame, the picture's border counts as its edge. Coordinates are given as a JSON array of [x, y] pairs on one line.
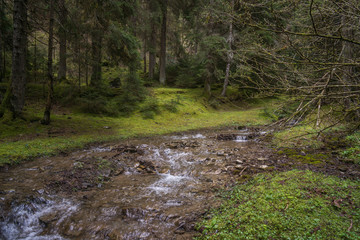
[[241, 138], [24, 223]]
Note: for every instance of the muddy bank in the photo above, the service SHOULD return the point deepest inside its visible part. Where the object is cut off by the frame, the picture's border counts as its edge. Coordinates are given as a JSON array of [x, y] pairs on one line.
[[153, 188]]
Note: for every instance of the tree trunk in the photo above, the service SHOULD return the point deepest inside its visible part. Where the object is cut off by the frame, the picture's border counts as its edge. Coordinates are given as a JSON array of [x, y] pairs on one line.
[[230, 54], [96, 59], [348, 56], [86, 68], [46, 119], [79, 64], [145, 52], [35, 58], [1, 40], [17, 92], [62, 41], [163, 43], [152, 50]]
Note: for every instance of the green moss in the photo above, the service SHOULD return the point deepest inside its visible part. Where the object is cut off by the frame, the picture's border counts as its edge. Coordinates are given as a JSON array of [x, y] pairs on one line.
[[289, 205], [302, 157]]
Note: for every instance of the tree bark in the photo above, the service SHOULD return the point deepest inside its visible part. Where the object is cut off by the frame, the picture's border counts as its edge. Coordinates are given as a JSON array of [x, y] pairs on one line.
[[145, 52], [35, 58], [163, 43], [46, 119], [152, 50], [230, 54], [1, 40], [62, 41], [17, 95], [96, 59], [79, 64]]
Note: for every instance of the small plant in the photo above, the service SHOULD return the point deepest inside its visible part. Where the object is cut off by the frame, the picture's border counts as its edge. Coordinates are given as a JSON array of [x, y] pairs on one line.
[[171, 106], [150, 108], [78, 165], [103, 163]]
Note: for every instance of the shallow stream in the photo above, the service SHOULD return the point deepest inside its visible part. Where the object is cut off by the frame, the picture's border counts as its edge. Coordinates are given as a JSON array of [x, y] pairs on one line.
[[149, 188]]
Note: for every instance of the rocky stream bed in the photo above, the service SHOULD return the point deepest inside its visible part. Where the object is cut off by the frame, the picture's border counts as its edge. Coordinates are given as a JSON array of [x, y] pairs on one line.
[[149, 188]]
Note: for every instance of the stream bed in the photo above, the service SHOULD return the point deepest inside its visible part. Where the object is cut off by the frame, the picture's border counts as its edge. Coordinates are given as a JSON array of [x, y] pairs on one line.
[[148, 188]]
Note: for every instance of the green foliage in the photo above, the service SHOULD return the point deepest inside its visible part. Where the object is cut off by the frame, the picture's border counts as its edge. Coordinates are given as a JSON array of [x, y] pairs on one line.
[[150, 108], [172, 105], [188, 72], [353, 152], [290, 205]]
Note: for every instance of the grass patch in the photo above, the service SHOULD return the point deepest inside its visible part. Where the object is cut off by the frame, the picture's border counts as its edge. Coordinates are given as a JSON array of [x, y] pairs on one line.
[[167, 110], [353, 152], [289, 205]]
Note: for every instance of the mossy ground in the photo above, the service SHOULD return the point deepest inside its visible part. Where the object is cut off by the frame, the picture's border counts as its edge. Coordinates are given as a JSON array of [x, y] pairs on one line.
[[178, 110], [289, 205]]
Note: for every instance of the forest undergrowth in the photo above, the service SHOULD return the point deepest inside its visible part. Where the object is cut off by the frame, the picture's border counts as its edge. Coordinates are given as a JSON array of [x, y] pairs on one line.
[[164, 110]]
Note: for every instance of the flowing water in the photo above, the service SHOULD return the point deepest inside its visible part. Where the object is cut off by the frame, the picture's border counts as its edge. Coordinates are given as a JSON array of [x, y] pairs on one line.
[[150, 188]]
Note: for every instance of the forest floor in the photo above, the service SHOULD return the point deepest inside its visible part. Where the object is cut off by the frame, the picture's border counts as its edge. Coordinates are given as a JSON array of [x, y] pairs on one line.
[[23, 140], [311, 181]]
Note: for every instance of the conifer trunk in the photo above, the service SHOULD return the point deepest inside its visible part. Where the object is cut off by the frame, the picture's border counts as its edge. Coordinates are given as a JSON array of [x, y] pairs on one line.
[[230, 54], [46, 119], [163, 43], [18, 83], [152, 51], [96, 59], [62, 41], [1, 40]]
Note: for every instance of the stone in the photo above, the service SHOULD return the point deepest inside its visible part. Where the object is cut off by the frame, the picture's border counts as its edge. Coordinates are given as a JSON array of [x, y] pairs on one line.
[[115, 235], [48, 218], [86, 185], [263, 166], [118, 171], [262, 159], [220, 154]]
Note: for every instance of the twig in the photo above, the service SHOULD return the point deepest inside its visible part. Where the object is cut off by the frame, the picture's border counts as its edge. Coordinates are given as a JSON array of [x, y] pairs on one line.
[[243, 170], [351, 225]]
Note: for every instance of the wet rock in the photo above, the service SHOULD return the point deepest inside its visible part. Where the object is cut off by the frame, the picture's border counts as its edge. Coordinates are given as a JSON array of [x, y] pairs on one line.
[[164, 170], [118, 171], [72, 231], [48, 218], [133, 213], [41, 191], [182, 144], [226, 137], [115, 235]]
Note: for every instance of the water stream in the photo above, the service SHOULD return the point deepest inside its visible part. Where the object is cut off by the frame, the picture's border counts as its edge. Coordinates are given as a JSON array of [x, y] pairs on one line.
[[155, 188]]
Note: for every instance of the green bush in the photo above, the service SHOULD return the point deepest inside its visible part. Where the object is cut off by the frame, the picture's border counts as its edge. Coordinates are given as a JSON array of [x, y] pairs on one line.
[[150, 108], [171, 106]]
